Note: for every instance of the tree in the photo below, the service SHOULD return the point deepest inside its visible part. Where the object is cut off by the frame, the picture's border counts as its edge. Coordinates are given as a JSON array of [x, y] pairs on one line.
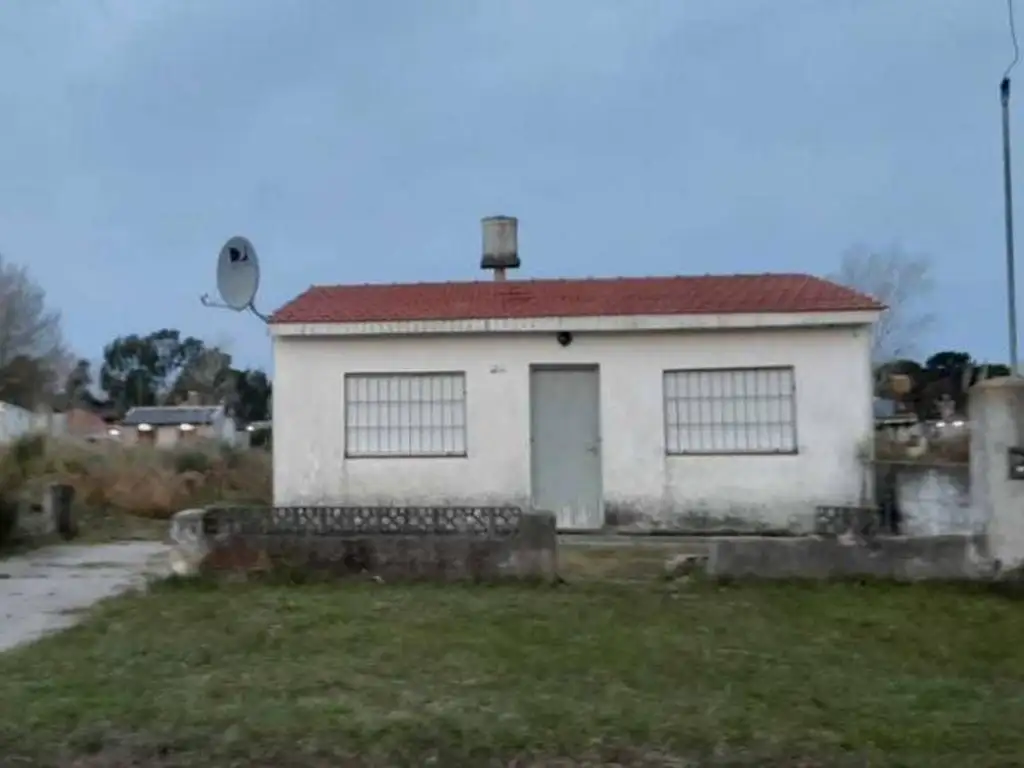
[[210, 376], [253, 393], [900, 281], [33, 357], [897, 372], [77, 391], [27, 382], [143, 370]]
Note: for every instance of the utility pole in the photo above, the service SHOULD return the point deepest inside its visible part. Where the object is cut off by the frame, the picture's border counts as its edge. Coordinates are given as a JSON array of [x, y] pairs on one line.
[[1011, 277]]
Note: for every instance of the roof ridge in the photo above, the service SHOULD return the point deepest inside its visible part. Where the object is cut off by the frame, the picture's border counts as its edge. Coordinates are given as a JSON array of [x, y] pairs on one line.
[[589, 279]]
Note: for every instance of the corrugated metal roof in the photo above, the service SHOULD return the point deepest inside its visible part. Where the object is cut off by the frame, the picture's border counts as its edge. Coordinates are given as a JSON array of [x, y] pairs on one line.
[[728, 294], [165, 415]]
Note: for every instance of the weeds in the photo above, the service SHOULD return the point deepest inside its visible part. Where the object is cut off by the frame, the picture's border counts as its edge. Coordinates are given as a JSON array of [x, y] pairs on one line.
[[139, 480]]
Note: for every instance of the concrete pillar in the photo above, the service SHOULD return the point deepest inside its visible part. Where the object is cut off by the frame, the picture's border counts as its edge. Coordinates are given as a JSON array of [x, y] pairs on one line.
[[58, 505], [996, 409]]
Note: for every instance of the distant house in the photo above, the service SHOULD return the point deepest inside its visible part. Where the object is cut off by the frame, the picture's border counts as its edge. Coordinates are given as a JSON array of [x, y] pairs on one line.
[[79, 423], [257, 434], [16, 421], [76, 423], [170, 426], [693, 403], [889, 414]]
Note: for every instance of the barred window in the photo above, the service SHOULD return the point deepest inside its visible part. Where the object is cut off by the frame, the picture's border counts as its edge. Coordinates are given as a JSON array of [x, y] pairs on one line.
[[406, 414], [739, 410]]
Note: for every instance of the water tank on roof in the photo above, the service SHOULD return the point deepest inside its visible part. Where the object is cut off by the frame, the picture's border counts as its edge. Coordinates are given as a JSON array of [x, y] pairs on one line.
[[501, 246]]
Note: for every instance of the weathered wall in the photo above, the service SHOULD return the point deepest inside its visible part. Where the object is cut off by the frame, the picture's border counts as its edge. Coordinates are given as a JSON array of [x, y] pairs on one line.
[[936, 501], [997, 414], [899, 558], [394, 545], [16, 422], [642, 486], [51, 514]]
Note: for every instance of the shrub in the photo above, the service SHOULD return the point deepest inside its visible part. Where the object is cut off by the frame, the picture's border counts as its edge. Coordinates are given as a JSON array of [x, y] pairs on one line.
[[191, 461], [138, 480]]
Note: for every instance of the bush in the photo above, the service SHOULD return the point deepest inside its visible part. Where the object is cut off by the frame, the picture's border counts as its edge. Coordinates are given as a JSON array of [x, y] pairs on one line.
[[192, 461], [138, 480]]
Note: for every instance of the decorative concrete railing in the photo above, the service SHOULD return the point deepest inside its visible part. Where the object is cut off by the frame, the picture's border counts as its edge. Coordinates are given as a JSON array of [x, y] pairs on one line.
[[861, 521], [392, 543]]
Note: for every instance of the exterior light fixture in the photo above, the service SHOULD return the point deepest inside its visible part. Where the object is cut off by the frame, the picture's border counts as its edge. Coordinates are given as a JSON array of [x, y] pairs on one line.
[[145, 427], [186, 427]]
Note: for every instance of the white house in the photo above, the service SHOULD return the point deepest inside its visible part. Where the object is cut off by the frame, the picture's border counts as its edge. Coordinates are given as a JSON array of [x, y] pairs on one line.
[[736, 402], [171, 426]]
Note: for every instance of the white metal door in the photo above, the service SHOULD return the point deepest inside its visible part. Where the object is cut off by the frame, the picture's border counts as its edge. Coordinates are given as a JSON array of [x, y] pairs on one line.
[[565, 445]]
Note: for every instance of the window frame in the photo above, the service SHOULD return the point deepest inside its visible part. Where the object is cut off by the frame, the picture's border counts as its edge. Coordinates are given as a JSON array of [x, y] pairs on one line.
[[667, 425], [391, 375]]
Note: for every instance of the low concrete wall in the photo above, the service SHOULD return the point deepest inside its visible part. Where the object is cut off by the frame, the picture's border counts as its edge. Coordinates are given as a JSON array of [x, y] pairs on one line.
[[900, 558], [394, 544], [53, 515]]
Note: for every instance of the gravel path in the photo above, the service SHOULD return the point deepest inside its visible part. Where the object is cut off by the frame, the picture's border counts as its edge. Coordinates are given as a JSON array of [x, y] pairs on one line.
[[41, 591]]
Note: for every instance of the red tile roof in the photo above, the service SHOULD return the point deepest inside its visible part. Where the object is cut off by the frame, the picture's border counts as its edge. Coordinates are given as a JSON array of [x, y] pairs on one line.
[[729, 294]]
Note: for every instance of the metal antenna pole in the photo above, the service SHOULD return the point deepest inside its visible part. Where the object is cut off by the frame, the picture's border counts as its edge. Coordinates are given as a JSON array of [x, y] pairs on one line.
[[1011, 278]]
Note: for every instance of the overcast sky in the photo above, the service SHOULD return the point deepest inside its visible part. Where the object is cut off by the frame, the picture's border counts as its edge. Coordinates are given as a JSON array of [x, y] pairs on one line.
[[359, 141]]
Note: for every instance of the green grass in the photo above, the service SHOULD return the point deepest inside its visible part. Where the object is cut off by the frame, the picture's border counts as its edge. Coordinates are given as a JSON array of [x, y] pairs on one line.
[[97, 525], [643, 675]]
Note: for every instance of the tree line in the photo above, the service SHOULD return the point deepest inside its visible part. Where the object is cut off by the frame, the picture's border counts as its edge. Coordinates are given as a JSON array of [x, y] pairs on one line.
[[163, 367], [903, 283], [944, 377], [37, 368]]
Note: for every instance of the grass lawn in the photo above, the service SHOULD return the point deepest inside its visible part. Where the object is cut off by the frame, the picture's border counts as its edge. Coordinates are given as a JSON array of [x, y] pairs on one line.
[[614, 674]]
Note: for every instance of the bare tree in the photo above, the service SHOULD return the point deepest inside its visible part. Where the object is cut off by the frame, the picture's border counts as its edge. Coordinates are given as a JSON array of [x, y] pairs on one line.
[[210, 376], [900, 281], [33, 356]]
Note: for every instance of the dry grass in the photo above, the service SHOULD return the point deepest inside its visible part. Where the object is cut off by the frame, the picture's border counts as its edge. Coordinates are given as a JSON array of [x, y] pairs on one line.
[[620, 562], [112, 480]]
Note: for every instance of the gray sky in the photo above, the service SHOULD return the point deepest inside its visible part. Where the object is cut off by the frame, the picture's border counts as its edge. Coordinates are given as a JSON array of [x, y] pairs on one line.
[[362, 141]]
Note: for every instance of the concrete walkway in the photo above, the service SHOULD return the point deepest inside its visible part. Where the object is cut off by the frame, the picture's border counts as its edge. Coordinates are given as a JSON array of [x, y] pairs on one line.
[[40, 591]]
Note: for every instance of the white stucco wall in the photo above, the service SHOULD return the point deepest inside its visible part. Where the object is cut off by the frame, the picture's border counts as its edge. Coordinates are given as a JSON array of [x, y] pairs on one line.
[[16, 422], [834, 416], [936, 501]]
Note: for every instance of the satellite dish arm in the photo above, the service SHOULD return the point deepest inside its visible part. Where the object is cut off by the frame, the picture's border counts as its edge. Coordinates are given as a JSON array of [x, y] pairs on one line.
[[206, 301], [260, 315]]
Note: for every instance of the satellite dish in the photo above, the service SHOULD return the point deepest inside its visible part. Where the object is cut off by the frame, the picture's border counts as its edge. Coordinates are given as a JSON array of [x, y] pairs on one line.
[[238, 276], [238, 273]]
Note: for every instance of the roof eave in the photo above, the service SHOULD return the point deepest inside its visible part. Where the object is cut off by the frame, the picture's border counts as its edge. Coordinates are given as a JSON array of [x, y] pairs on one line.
[[597, 324]]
